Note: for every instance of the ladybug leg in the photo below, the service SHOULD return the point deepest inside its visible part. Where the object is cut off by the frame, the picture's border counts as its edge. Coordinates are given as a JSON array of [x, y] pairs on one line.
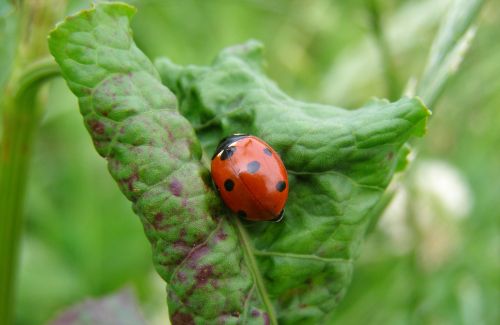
[[279, 217]]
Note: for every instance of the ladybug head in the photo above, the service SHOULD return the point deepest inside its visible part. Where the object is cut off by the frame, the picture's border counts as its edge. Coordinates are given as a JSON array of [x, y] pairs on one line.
[[224, 143]]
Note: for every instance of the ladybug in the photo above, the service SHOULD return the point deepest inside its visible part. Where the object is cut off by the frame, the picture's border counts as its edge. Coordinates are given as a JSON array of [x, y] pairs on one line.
[[250, 177]]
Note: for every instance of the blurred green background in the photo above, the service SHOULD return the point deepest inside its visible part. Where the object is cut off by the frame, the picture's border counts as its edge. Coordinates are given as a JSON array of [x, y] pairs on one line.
[[433, 258]]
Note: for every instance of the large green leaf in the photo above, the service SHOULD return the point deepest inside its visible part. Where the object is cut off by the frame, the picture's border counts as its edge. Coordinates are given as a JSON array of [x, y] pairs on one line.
[[154, 156], [218, 269], [339, 163]]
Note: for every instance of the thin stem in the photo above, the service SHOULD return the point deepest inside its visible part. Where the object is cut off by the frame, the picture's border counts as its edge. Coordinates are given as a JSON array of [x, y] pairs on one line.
[[35, 74], [448, 49], [376, 212], [248, 254], [414, 267], [432, 88], [21, 116], [20, 120], [303, 257], [16, 149], [390, 73]]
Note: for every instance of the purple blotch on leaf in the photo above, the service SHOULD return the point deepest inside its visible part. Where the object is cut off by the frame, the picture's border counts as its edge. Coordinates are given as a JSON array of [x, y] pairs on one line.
[[97, 127], [221, 235], [203, 275], [181, 318], [266, 319], [176, 187], [129, 181], [158, 220], [181, 276], [182, 246], [197, 254]]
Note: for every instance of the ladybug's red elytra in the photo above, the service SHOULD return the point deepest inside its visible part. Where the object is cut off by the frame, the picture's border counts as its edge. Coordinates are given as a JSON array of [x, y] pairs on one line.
[[250, 178]]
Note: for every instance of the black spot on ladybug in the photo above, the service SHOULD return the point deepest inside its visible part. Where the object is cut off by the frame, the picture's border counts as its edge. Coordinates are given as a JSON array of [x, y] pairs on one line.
[[280, 186], [253, 167], [229, 185], [227, 153], [242, 214], [268, 152]]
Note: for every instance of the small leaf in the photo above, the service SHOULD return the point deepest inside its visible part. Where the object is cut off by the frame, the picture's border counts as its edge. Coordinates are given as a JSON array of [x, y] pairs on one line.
[[117, 309]]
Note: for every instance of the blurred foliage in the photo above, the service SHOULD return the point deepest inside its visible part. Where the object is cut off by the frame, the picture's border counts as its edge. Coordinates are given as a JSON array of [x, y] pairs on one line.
[[316, 50], [120, 308]]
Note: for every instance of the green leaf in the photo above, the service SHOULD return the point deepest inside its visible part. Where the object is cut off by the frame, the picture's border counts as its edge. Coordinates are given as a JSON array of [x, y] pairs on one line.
[[218, 269], [339, 164], [154, 156], [118, 309]]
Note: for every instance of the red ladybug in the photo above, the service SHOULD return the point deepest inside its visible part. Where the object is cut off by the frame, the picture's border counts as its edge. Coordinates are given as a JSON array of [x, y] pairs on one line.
[[250, 177]]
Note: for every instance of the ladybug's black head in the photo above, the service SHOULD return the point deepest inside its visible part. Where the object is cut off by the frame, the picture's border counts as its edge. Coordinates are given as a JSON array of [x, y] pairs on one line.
[[224, 143]]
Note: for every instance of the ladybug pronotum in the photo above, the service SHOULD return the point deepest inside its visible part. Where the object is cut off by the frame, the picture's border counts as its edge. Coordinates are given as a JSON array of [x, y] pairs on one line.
[[250, 178]]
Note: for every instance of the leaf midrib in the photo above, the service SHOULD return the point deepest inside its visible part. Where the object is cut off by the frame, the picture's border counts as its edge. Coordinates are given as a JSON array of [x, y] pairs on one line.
[[248, 255], [303, 257]]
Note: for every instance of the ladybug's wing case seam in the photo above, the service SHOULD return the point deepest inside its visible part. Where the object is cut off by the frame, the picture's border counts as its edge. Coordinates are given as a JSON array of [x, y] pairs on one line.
[[248, 190], [237, 173]]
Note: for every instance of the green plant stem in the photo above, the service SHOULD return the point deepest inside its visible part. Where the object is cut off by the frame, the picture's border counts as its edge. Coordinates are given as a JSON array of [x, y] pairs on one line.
[[432, 89], [390, 74], [20, 120], [16, 148], [21, 116], [412, 260], [377, 211], [252, 264], [448, 49]]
